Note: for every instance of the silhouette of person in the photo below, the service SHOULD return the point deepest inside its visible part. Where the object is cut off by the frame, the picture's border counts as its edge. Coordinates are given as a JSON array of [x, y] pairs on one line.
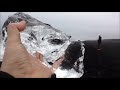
[[99, 41]]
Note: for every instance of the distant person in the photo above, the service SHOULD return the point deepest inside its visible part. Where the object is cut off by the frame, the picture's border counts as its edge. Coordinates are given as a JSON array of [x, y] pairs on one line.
[[99, 41]]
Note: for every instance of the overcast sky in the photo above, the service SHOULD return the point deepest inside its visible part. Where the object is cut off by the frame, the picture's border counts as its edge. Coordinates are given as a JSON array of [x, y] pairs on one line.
[[80, 25]]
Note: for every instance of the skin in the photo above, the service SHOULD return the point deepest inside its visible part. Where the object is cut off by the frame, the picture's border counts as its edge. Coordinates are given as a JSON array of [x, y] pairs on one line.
[[18, 62]]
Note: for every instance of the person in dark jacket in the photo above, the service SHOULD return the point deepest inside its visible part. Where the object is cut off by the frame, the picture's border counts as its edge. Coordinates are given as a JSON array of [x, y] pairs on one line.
[[99, 41]]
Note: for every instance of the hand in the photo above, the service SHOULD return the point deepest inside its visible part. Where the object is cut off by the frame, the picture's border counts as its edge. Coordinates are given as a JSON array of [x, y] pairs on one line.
[[17, 61], [57, 63]]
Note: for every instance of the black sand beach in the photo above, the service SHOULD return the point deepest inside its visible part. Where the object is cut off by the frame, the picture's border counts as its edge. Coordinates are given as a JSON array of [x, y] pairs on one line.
[[103, 62]]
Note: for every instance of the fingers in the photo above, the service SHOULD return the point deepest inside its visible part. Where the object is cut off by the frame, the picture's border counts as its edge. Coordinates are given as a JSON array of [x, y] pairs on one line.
[[61, 58], [13, 30], [39, 56], [58, 62]]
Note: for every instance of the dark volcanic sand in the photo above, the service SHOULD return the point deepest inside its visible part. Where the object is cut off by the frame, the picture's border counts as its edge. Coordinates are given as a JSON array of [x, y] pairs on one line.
[[103, 63]]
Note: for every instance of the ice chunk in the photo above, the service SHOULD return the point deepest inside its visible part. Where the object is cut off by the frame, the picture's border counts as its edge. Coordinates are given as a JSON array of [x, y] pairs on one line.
[[45, 39]]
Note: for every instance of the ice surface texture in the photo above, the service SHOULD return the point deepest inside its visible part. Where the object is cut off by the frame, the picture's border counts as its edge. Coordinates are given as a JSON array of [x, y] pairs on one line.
[[50, 42]]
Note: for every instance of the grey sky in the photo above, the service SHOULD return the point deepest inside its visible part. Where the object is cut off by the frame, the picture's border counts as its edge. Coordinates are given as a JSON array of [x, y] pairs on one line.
[[80, 25]]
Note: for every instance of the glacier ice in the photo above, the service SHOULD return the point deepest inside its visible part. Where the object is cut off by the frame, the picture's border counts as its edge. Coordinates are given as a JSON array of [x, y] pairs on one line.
[[50, 42]]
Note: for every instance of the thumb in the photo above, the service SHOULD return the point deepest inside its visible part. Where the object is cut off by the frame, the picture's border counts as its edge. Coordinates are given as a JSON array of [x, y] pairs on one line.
[[13, 30]]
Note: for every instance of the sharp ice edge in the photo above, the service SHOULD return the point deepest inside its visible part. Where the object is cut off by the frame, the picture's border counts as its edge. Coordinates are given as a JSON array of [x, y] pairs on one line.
[[40, 30]]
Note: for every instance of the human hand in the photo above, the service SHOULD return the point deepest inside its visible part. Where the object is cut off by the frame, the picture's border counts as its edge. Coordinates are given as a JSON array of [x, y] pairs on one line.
[[17, 61], [57, 63]]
